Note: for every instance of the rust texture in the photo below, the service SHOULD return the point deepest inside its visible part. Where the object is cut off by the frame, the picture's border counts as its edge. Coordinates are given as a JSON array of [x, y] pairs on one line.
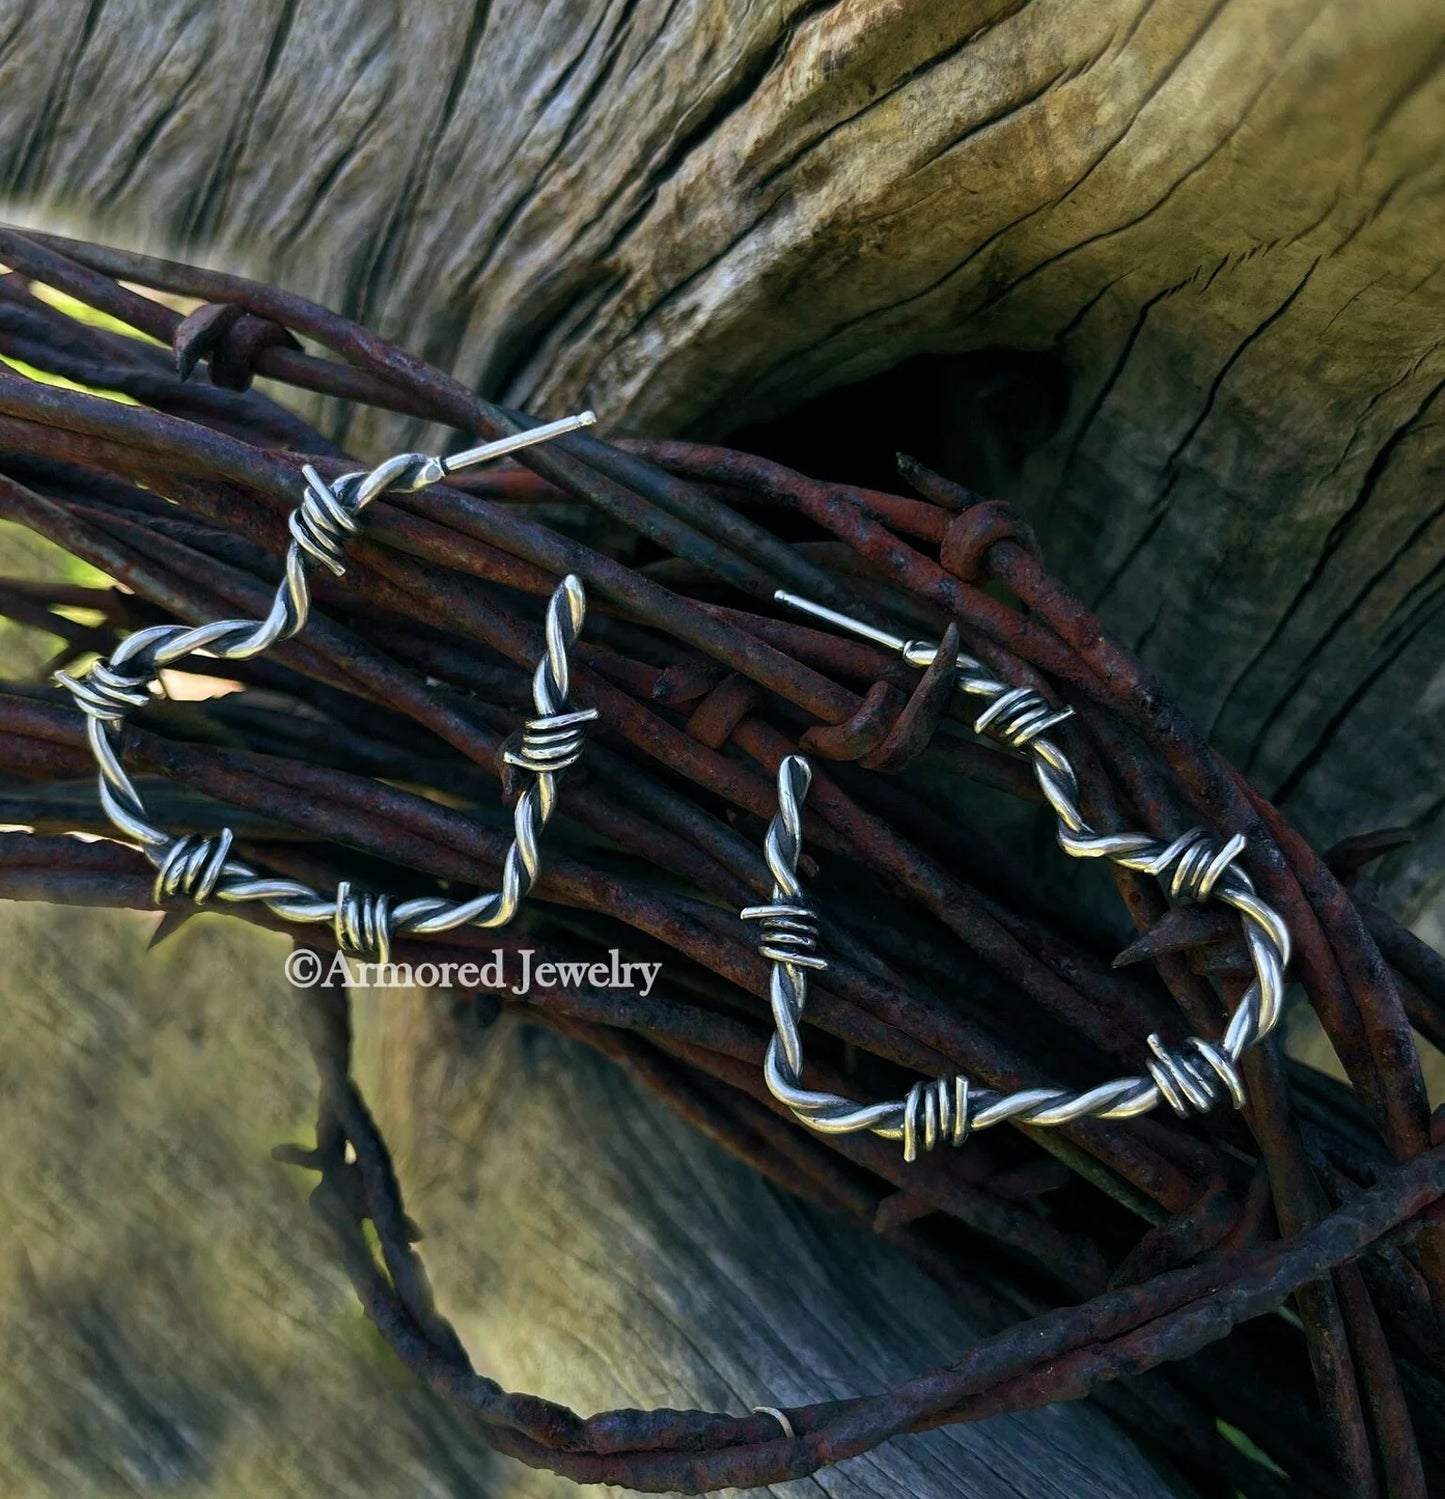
[[1134, 1262]]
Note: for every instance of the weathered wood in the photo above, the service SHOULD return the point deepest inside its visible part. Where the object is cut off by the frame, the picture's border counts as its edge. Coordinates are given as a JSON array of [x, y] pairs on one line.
[[175, 1317], [1224, 220], [1221, 222]]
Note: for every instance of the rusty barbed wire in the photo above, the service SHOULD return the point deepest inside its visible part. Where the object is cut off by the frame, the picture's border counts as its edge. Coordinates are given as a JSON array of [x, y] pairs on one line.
[[1315, 1193]]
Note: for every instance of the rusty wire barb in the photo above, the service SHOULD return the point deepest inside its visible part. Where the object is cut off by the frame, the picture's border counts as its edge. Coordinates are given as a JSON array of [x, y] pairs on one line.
[[364, 921], [365, 751]]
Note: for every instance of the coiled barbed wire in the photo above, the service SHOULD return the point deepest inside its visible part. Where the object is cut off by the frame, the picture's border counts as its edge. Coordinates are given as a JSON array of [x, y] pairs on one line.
[[1191, 1077], [202, 867]]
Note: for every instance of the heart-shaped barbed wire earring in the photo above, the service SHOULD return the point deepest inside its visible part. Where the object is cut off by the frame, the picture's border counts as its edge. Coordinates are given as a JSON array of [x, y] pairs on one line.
[[202, 867], [1192, 1077]]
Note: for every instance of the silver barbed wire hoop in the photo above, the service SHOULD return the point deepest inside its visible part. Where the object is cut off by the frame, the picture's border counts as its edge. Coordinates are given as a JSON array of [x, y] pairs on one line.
[[203, 868], [1190, 1078]]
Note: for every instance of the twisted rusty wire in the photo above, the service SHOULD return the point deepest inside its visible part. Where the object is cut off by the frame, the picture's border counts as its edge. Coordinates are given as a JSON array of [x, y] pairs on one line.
[[703, 701]]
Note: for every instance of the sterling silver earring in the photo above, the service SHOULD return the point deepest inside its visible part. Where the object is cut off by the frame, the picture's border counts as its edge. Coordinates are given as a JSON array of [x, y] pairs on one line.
[[1190, 1078], [203, 867]]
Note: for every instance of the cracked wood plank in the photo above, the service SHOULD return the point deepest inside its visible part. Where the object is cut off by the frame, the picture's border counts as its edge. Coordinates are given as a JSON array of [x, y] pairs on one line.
[[1222, 218]]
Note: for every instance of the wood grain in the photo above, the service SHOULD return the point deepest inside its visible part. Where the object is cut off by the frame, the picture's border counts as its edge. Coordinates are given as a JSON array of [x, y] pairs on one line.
[[1224, 220], [173, 1316], [175, 1320]]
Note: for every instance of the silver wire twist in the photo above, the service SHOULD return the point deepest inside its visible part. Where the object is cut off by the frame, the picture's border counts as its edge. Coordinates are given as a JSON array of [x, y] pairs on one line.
[[1190, 1078], [788, 933], [202, 868]]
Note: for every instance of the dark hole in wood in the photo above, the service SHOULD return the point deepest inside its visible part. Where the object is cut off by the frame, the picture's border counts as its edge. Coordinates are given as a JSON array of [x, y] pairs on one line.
[[973, 416]]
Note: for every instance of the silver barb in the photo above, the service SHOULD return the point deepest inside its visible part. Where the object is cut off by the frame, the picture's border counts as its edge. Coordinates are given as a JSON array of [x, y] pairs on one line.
[[1195, 866], [203, 868]]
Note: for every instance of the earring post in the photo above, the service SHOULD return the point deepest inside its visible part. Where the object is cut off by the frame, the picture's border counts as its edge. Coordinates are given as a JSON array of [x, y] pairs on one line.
[[426, 469], [842, 621], [518, 440]]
